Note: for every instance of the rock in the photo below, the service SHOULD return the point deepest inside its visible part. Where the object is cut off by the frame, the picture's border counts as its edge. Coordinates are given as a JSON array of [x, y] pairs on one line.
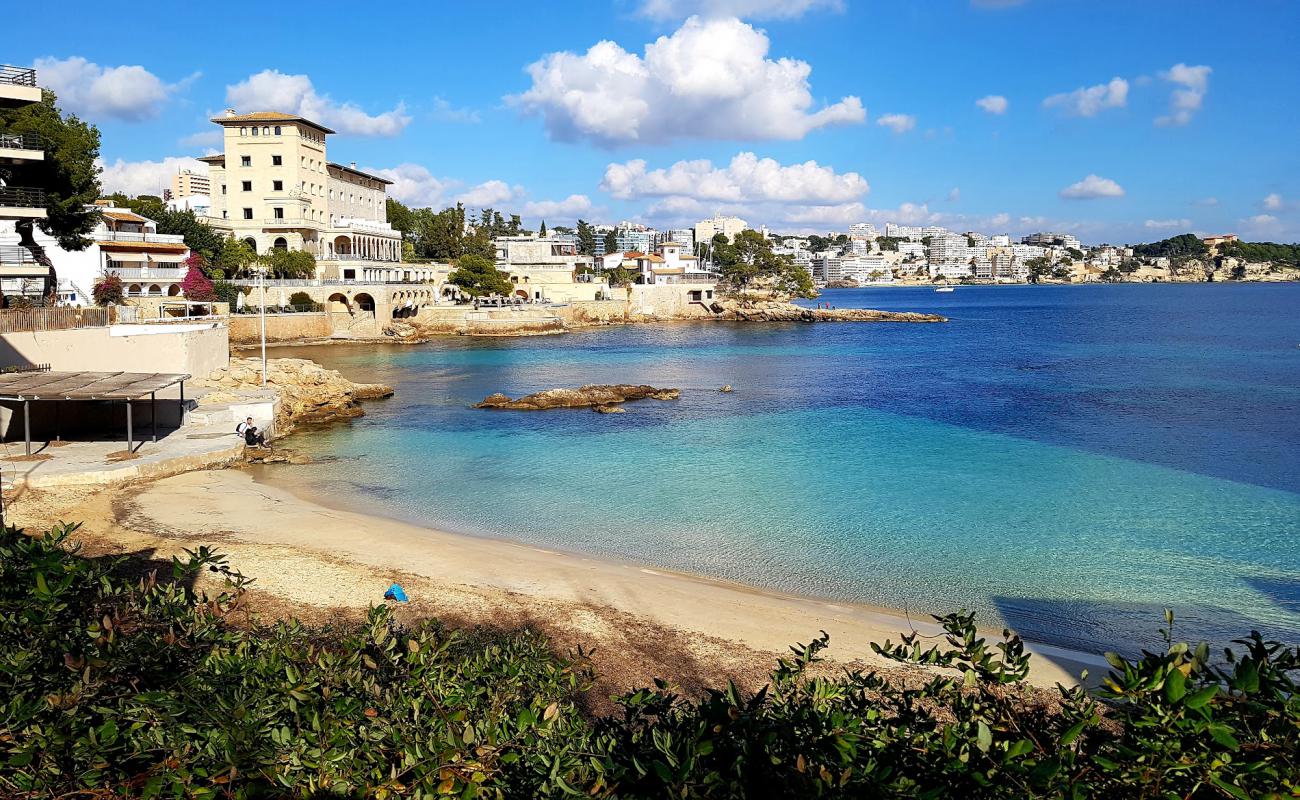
[[780, 311], [726, 389], [609, 409], [308, 392], [582, 397]]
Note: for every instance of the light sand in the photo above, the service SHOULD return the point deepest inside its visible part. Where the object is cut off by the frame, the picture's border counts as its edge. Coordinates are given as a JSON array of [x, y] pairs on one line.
[[317, 562]]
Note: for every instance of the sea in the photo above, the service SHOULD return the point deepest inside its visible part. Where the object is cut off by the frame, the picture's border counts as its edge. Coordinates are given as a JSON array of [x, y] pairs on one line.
[[1068, 461]]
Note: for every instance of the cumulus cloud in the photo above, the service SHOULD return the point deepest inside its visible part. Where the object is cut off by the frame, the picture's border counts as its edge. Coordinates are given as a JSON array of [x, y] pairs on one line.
[[1273, 202], [572, 206], [490, 193], [414, 184], [710, 79], [1192, 83], [1164, 224], [747, 178], [145, 177], [993, 104], [898, 123], [1092, 187], [745, 9], [1091, 100], [129, 93], [272, 90]]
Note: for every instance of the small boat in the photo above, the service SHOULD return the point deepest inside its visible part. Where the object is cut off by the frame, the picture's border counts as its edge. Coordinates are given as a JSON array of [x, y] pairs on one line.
[[943, 288]]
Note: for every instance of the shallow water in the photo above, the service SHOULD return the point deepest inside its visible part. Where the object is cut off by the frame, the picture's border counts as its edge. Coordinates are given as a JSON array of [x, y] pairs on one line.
[[1068, 460]]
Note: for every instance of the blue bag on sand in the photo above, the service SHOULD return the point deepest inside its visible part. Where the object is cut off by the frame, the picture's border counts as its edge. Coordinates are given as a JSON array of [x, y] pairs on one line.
[[395, 593]]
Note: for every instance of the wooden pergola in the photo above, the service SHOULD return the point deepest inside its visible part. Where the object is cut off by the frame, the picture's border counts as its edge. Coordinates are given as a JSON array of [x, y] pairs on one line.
[[25, 387]]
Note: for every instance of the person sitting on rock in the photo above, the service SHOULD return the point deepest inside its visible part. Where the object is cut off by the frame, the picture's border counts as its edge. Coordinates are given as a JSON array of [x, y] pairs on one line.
[[252, 436]]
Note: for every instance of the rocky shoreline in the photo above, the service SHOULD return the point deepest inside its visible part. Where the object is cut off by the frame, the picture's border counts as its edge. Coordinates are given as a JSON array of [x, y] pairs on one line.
[[308, 392], [603, 398]]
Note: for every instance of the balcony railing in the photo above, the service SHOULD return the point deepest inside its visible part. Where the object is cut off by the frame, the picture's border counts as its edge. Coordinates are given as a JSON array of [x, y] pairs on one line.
[[126, 236], [288, 282], [357, 257], [20, 141], [21, 197], [19, 76], [147, 273], [14, 256]]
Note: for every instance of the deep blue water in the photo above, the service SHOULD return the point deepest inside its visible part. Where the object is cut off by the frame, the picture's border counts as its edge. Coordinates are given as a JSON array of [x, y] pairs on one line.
[[1068, 460]]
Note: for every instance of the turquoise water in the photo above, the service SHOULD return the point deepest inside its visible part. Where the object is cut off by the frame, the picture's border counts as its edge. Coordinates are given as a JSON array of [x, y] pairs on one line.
[[1068, 460]]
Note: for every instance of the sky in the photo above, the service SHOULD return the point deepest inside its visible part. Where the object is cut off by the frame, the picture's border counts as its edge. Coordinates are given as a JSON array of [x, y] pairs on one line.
[[1115, 120]]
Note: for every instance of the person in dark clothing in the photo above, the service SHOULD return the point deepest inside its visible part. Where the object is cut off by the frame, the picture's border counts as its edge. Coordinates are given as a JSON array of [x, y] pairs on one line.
[[252, 436]]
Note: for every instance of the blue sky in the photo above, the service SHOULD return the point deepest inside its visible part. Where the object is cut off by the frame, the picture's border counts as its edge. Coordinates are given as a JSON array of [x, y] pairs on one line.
[[1119, 121]]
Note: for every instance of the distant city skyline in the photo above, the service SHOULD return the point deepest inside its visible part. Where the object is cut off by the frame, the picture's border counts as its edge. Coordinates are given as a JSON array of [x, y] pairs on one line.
[[1114, 122]]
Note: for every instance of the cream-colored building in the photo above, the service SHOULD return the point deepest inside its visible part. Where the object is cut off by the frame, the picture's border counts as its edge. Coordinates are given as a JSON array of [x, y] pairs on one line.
[[187, 183], [274, 186], [546, 269], [706, 229], [19, 272]]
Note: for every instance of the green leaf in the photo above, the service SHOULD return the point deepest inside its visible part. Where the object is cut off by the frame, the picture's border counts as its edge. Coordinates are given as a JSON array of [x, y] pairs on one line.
[[1235, 791], [1223, 735], [1201, 698], [1073, 732], [1175, 686], [983, 737]]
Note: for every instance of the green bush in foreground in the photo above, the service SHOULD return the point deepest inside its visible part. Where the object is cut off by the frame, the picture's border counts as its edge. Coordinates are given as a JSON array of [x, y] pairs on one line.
[[117, 687]]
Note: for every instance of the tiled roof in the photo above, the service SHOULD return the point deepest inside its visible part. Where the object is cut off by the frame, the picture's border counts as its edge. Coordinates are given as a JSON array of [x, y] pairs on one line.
[[140, 247], [268, 116], [124, 216]]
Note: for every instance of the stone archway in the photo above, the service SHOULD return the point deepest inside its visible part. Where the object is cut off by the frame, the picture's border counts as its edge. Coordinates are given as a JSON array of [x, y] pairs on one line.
[[338, 302], [364, 302], [342, 246], [281, 243], [252, 244]]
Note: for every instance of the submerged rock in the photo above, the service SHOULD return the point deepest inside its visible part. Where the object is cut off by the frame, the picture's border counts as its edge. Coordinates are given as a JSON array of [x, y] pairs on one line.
[[609, 409], [592, 395], [779, 311]]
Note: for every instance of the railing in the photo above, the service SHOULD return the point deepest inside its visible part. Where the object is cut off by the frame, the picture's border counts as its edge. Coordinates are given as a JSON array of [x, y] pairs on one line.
[[20, 141], [12, 254], [21, 196], [274, 283], [147, 273], [127, 236], [254, 308], [356, 257], [19, 76], [54, 319]]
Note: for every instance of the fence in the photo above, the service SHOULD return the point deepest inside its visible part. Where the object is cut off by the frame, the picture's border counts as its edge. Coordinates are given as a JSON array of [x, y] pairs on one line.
[[271, 308], [23, 320]]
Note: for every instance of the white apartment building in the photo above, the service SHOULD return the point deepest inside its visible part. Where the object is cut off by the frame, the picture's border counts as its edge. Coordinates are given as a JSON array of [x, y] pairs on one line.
[[19, 272], [1047, 239], [863, 230], [187, 183], [274, 186], [706, 229]]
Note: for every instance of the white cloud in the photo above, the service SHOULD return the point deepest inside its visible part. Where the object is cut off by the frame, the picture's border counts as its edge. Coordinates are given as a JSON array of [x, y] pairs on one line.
[[1273, 202], [444, 111], [1091, 188], [414, 185], [993, 103], [745, 9], [747, 178], [145, 177], [1089, 101], [954, 194], [128, 93], [710, 79], [572, 206], [1161, 224], [271, 90], [898, 123], [490, 193], [1192, 83], [1262, 226], [203, 139]]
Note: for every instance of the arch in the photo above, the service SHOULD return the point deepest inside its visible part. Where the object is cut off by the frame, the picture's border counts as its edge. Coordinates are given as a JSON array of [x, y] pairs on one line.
[[155, 290], [337, 302], [342, 246], [522, 293], [135, 290], [364, 301], [174, 290], [252, 243], [281, 243]]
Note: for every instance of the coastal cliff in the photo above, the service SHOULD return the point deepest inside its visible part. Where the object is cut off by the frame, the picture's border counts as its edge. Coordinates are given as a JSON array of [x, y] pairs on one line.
[[308, 392]]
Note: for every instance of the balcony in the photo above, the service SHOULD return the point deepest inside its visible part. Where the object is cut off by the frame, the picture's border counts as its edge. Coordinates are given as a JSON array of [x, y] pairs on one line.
[[21, 147], [18, 86], [154, 238], [12, 255], [19, 202]]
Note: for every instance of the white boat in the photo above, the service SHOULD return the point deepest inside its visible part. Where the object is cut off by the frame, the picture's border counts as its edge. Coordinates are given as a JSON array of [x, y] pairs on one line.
[[943, 288]]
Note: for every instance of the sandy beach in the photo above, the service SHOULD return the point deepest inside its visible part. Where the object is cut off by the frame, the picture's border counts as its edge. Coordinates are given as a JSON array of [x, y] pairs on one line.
[[320, 563]]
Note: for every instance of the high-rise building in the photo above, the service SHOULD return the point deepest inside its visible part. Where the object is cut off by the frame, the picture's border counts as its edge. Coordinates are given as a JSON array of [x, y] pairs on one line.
[[862, 230], [706, 229], [187, 183], [19, 272]]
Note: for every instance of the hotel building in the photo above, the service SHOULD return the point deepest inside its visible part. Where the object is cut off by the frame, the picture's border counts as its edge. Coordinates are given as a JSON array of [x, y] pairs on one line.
[[274, 186]]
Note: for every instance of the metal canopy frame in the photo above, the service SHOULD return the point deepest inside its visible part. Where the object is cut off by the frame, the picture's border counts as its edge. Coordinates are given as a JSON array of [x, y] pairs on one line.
[[24, 387]]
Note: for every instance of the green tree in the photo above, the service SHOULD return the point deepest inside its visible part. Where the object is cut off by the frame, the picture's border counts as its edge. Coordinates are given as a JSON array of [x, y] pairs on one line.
[[479, 244], [288, 263], [234, 258], [400, 217], [479, 277], [542, 230], [888, 243], [68, 175], [586, 239], [1187, 244], [1075, 253], [1038, 268], [611, 242]]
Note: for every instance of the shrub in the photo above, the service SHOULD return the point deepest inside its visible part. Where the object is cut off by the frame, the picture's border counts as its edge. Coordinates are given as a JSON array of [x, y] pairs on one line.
[[108, 290], [111, 686], [226, 292], [301, 299], [196, 285]]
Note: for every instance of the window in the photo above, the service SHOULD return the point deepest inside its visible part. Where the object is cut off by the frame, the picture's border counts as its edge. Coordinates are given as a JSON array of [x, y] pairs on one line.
[[277, 133], [245, 161], [243, 131], [254, 130], [278, 213], [225, 214], [266, 130], [248, 213], [277, 186], [276, 161], [223, 188], [247, 186]]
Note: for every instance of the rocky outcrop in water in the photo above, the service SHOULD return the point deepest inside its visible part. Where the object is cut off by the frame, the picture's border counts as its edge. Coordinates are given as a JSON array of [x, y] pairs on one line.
[[308, 392], [777, 311], [594, 395]]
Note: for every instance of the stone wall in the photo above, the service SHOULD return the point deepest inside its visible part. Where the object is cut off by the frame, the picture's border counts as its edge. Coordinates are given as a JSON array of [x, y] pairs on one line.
[[247, 328], [194, 348], [669, 301]]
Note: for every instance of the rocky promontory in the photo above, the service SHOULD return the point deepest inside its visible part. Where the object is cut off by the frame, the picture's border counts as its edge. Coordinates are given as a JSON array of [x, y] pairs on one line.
[[308, 392], [779, 311], [599, 396]]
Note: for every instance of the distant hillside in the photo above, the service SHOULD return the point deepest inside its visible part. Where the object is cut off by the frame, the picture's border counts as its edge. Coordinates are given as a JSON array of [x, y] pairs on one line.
[[1263, 251], [1186, 245]]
